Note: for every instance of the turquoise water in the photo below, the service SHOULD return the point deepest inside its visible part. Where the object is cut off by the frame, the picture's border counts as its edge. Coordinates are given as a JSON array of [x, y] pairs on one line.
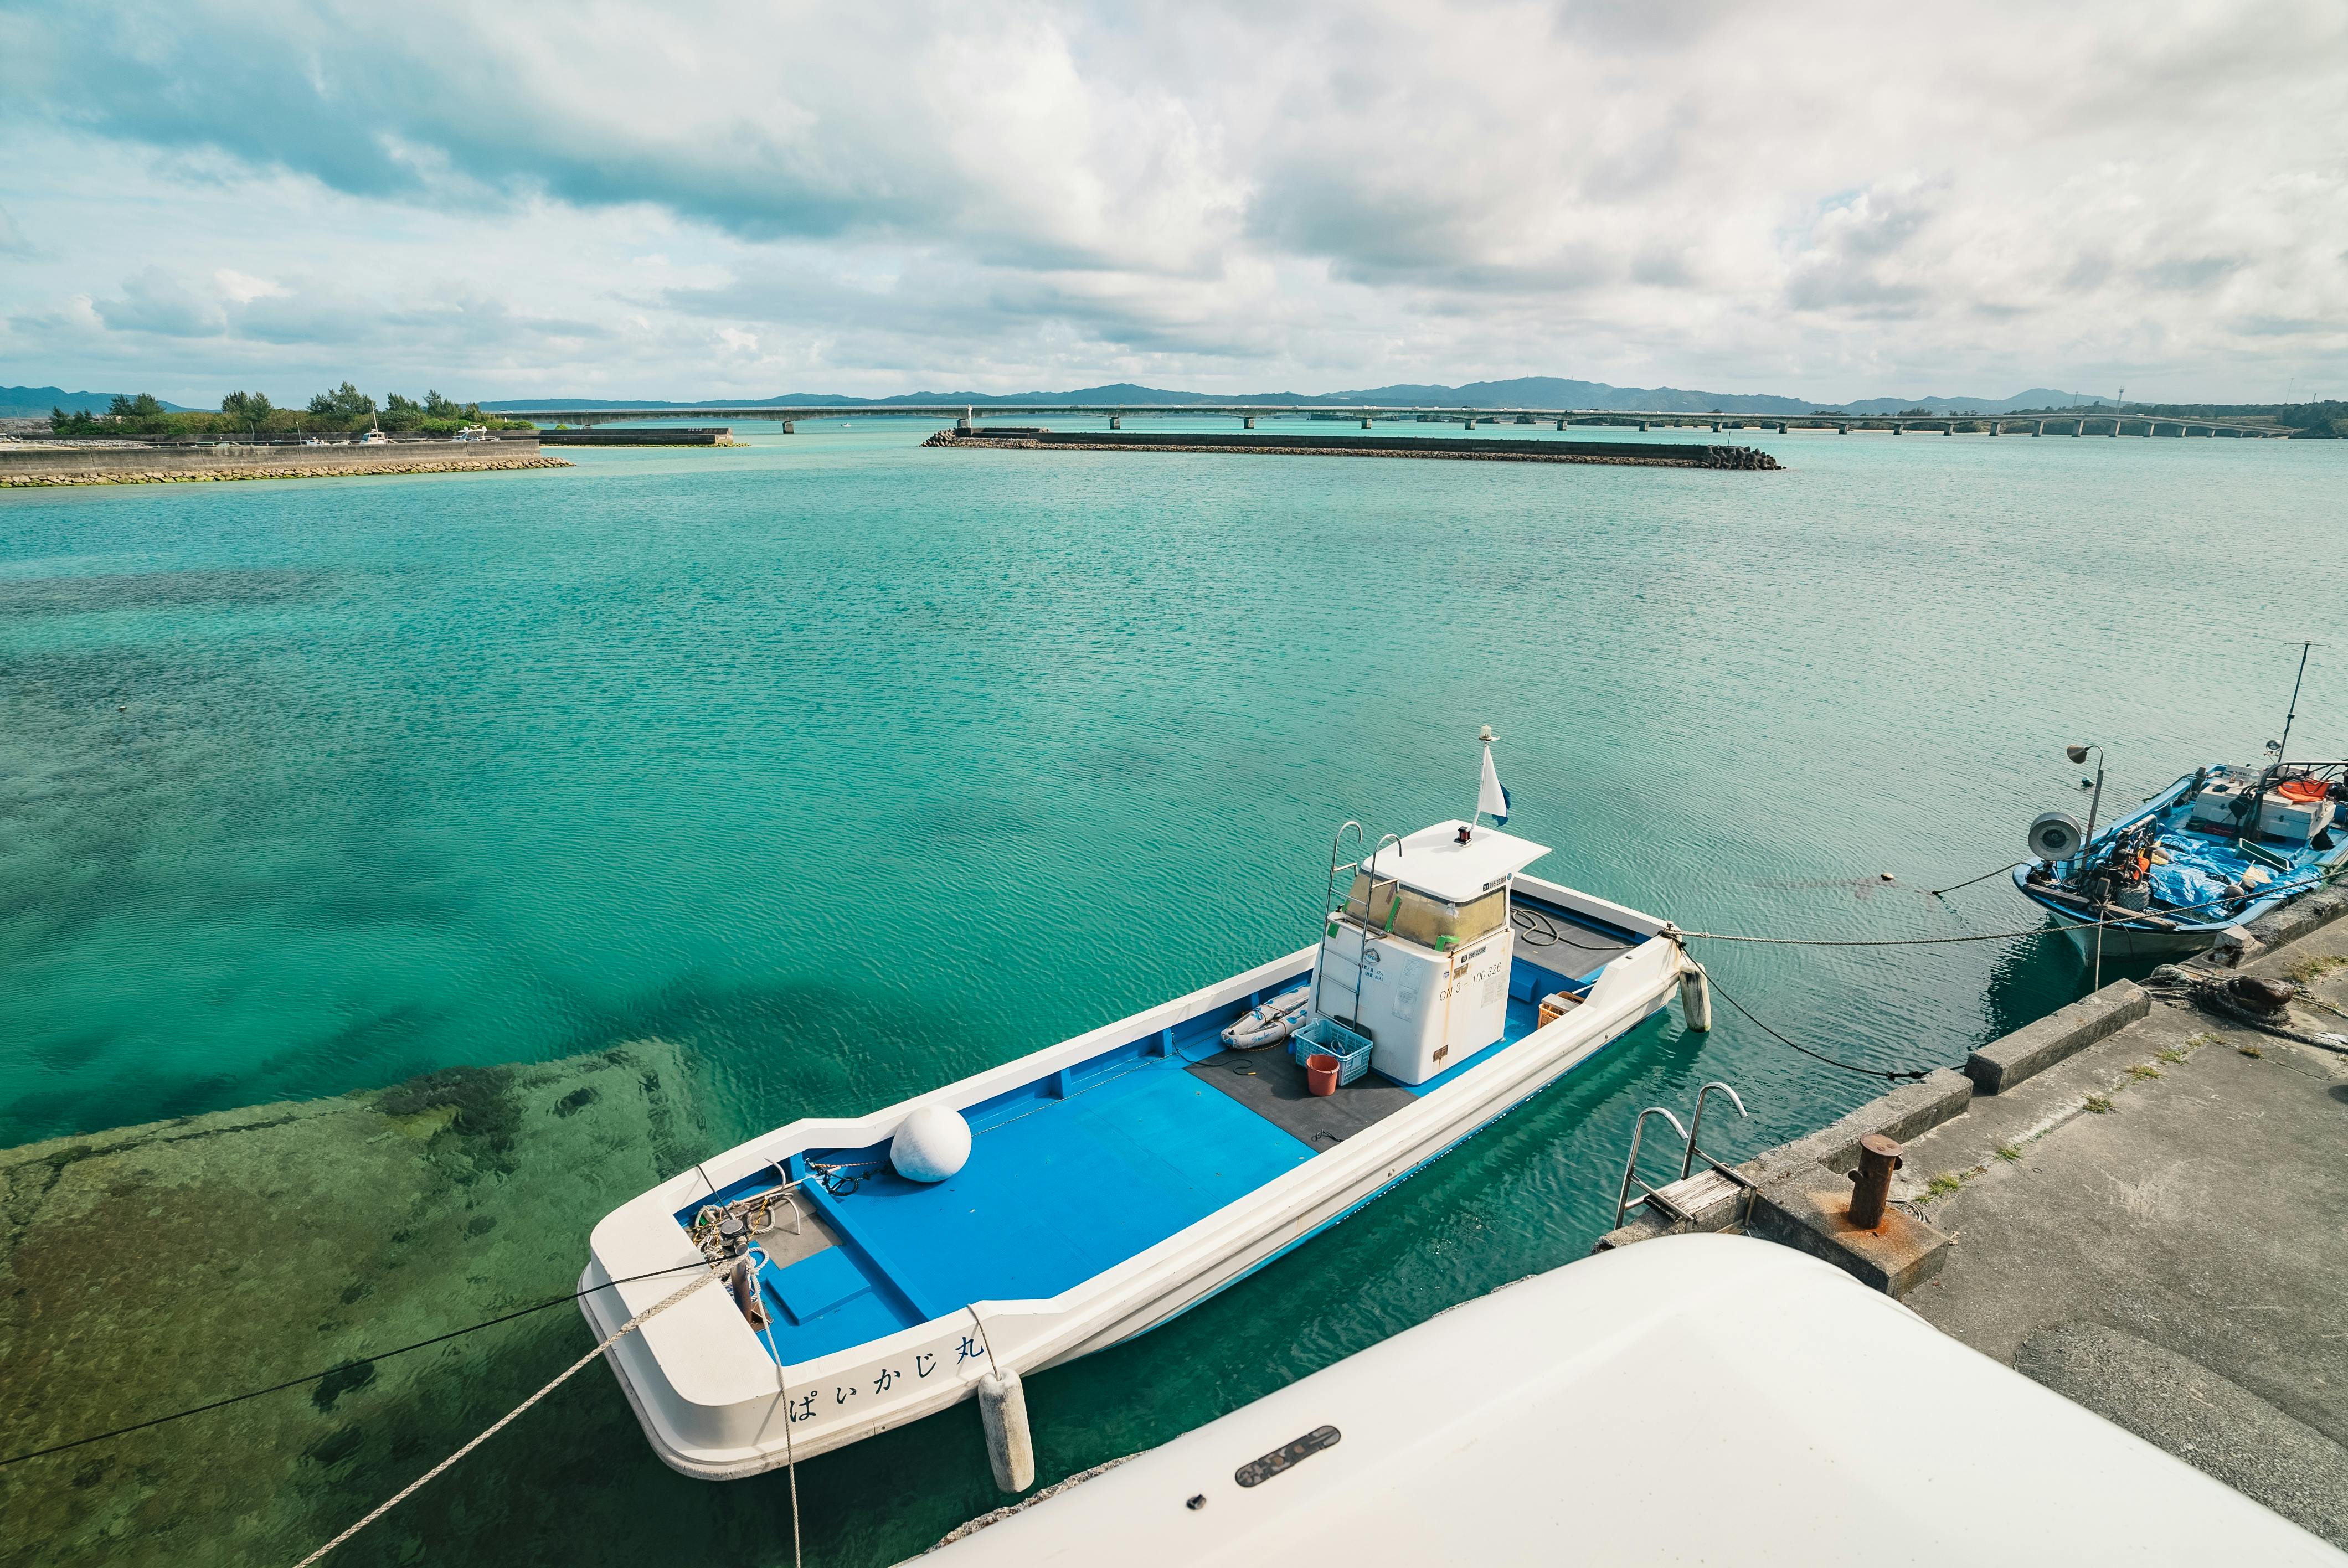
[[855, 766]]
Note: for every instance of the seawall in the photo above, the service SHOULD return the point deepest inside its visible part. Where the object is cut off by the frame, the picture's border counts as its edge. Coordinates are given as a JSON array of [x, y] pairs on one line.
[[691, 435], [36, 467], [1645, 455]]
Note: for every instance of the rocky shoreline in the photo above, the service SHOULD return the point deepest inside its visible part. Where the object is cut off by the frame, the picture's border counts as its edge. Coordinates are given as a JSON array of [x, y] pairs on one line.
[[47, 478]]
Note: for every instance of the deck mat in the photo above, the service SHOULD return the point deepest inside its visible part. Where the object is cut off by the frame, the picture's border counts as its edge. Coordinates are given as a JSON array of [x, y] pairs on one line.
[[1272, 1084], [1048, 1199]]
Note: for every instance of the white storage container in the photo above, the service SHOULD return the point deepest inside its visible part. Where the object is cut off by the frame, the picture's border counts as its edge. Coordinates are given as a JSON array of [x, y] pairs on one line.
[[1423, 1011], [2279, 817]]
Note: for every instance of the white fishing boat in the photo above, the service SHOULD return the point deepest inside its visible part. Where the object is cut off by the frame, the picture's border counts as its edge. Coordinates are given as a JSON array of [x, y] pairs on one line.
[[1701, 1398], [884, 1267]]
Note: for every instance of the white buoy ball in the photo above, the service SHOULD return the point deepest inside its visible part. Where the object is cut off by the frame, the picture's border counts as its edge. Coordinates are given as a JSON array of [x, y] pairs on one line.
[[930, 1144]]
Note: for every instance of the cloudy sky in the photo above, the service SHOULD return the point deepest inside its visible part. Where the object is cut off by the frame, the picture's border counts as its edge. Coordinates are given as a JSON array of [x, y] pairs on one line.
[[595, 201]]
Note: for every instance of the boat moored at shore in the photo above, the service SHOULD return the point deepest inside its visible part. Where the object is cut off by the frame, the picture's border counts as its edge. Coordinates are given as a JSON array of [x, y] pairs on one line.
[[2218, 849], [1101, 1186]]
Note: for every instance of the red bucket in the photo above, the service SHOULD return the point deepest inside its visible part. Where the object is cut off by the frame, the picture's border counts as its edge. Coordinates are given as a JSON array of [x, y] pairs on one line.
[[1321, 1074]]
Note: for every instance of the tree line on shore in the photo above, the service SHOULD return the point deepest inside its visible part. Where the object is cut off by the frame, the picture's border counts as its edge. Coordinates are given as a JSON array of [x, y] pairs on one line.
[[343, 411]]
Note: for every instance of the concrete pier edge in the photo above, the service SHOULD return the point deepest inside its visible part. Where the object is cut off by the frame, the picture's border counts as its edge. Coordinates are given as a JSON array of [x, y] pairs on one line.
[[1784, 1202]]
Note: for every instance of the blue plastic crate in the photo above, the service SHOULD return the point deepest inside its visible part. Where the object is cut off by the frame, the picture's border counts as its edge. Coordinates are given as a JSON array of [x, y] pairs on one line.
[[1327, 1037]]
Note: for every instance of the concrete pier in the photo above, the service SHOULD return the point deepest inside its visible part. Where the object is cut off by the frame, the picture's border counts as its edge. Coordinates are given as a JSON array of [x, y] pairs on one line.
[[1247, 422], [2137, 1202]]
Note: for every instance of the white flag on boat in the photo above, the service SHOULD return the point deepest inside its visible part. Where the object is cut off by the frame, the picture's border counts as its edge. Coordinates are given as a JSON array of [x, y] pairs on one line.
[[1491, 800]]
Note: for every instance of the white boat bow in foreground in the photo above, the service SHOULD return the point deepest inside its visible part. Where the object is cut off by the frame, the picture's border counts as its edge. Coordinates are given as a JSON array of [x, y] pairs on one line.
[[1695, 1400]]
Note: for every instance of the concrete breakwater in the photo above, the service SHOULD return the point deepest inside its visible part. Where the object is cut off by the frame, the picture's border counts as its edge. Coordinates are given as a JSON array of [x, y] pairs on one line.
[[695, 436], [39, 466], [1645, 455]]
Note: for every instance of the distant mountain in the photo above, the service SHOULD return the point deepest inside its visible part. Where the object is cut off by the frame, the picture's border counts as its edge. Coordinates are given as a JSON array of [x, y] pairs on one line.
[[34, 402], [1525, 392], [2037, 397]]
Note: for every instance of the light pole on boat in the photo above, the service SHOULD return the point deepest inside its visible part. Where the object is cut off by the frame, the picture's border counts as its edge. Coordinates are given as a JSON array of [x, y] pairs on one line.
[[2079, 754], [2087, 847]]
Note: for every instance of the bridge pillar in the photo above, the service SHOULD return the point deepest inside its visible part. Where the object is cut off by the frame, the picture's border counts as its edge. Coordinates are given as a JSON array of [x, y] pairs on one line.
[[1562, 422], [1115, 422], [1365, 422], [2039, 429], [2078, 427], [1471, 422], [1247, 421], [790, 427], [1950, 428], [1842, 429], [1992, 427], [1642, 427], [1897, 429]]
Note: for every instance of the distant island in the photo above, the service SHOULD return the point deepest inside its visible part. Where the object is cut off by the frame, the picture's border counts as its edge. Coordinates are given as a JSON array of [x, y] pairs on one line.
[[2320, 419], [1524, 392], [347, 409]]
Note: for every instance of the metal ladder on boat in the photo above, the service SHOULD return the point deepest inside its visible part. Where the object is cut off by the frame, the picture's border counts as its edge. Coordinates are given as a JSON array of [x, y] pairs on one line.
[[1693, 1191], [1332, 910]]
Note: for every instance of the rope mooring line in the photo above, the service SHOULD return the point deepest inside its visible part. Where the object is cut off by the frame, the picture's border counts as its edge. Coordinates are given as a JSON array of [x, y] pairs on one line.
[[1958, 886], [418, 1484], [2328, 877], [1912, 1073], [340, 1366]]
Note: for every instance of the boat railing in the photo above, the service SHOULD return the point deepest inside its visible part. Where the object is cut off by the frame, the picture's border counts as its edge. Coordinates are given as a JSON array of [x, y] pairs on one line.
[[1335, 908]]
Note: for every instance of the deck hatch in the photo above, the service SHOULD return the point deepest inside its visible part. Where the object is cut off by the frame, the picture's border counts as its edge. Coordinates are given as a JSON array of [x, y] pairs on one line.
[[1256, 1471]]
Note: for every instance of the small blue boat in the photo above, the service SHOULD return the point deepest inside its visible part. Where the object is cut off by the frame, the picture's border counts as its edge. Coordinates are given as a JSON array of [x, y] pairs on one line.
[[2222, 846]]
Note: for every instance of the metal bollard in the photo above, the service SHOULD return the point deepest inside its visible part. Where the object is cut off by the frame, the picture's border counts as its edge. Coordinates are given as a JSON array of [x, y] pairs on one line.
[[1870, 1184], [745, 1285]]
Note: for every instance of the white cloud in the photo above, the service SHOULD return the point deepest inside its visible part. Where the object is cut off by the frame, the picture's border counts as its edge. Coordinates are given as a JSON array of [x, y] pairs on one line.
[[1974, 201], [243, 288]]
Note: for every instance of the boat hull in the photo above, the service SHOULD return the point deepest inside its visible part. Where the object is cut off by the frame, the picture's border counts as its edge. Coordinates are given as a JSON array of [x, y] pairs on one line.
[[714, 1405], [2127, 942]]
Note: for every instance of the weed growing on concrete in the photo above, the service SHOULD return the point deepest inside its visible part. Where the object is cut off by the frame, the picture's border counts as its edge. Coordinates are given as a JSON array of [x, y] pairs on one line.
[[2173, 1055], [1941, 1185], [2009, 1152], [2144, 1069], [2249, 1050], [2100, 1104], [2307, 969]]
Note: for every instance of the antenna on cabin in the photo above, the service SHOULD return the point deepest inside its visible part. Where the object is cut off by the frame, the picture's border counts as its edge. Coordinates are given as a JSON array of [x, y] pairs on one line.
[[2277, 747]]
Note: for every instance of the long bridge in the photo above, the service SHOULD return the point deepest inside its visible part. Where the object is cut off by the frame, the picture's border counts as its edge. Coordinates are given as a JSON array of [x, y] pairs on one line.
[[2099, 422]]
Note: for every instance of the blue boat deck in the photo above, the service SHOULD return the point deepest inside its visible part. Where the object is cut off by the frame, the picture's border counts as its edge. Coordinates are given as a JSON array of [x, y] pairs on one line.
[[1069, 1176]]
